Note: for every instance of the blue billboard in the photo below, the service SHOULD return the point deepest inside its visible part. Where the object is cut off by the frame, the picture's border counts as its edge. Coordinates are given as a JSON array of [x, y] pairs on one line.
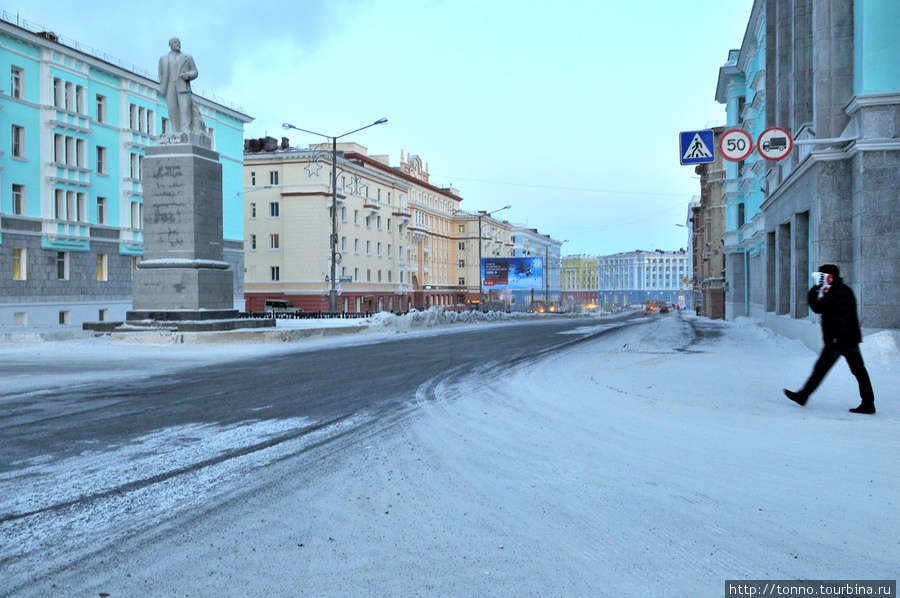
[[512, 272]]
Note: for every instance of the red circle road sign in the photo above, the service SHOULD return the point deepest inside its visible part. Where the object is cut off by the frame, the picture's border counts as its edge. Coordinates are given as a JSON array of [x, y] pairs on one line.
[[774, 143], [735, 144]]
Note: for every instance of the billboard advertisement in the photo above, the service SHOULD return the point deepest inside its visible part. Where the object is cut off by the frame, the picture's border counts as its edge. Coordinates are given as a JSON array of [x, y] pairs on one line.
[[512, 272]]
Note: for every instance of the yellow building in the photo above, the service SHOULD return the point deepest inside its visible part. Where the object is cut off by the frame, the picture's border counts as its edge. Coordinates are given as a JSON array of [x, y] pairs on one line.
[[580, 281]]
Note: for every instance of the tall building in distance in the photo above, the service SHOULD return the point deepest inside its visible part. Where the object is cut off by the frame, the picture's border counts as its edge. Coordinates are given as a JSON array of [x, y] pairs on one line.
[[73, 130], [636, 276], [828, 73]]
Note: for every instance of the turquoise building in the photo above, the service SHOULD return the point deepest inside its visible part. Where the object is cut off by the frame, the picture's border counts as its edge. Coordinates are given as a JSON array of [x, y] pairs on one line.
[[73, 132], [828, 73]]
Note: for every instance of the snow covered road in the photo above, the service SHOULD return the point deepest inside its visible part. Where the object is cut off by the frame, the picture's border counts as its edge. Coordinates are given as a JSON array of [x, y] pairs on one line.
[[660, 459]]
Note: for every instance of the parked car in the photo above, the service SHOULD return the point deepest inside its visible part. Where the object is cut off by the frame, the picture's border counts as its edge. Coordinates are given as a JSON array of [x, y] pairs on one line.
[[281, 306]]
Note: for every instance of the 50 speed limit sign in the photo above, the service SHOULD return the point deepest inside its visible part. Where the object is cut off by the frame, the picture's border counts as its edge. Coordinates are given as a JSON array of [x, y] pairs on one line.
[[735, 144]]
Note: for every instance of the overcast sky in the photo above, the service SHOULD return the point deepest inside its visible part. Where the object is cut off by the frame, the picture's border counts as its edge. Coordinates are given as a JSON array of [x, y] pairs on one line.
[[569, 111]]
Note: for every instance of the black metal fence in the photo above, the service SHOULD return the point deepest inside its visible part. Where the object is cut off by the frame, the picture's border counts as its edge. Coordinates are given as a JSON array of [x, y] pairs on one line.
[[314, 315]]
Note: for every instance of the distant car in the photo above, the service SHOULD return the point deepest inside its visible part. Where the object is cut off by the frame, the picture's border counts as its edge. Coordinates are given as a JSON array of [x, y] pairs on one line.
[[281, 306], [664, 308], [655, 305]]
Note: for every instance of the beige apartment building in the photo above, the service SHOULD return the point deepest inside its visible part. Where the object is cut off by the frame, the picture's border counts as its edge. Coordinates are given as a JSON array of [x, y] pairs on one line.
[[288, 226], [494, 237], [402, 242], [431, 269]]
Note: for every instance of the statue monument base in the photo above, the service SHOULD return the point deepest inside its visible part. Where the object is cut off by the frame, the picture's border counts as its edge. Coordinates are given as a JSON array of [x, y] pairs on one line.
[[183, 282]]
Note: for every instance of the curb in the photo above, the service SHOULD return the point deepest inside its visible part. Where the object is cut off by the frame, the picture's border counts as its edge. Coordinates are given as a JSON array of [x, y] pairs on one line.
[[233, 336]]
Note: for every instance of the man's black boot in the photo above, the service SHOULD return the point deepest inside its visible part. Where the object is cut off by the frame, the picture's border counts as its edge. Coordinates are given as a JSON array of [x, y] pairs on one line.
[[797, 397], [866, 408]]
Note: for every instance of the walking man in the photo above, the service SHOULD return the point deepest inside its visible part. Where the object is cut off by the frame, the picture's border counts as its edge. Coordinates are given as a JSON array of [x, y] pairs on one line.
[[176, 71], [836, 304]]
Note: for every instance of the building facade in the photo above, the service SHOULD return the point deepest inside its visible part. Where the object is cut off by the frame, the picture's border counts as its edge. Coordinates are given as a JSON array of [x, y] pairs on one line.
[[634, 277], [73, 130], [707, 222], [528, 242], [580, 282], [289, 220], [479, 236], [401, 242], [827, 72], [433, 269]]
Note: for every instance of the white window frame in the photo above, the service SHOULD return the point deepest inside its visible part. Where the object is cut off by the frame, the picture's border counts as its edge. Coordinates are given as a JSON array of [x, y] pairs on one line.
[[18, 199], [102, 267], [18, 141], [137, 214], [62, 261], [20, 255], [102, 208], [101, 160], [16, 82], [101, 108]]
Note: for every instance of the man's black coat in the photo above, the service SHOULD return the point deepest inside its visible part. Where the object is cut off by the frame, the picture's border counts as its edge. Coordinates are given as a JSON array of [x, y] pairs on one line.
[[840, 324]]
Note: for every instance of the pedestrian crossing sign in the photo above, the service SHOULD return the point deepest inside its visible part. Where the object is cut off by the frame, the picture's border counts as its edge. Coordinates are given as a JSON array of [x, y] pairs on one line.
[[697, 147]]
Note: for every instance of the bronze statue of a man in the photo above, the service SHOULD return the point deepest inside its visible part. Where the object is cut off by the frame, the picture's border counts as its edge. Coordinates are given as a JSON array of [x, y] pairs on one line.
[[176, 71]]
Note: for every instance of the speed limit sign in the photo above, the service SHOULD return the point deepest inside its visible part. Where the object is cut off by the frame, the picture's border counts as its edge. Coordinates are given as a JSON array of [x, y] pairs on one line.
[[735, 144]]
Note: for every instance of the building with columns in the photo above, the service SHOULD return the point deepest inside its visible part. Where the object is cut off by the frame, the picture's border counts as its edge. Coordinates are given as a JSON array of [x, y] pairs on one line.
[[636, 276], [827, 72], [74, 127]]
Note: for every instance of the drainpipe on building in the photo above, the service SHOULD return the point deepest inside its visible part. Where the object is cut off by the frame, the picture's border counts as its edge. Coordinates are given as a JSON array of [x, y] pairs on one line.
[[746, 284]]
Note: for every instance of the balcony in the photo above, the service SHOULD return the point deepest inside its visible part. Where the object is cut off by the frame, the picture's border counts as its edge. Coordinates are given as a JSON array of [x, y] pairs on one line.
[[65, 235], [417, 235], [131, 241]]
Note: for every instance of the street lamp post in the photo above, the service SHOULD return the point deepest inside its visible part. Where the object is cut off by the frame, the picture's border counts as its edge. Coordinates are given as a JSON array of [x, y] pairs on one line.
[[332, 295], [481, 215]]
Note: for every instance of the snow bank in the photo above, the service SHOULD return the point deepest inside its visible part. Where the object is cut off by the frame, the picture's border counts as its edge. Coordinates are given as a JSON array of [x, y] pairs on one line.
[[435, 317], [882, 347]]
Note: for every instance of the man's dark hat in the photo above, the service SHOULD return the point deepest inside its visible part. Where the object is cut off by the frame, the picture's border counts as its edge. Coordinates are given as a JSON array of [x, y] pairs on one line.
[[830, 269]]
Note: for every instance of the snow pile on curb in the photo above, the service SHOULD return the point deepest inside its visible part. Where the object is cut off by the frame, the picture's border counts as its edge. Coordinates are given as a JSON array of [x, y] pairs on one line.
[[882, 347], [436, 317]]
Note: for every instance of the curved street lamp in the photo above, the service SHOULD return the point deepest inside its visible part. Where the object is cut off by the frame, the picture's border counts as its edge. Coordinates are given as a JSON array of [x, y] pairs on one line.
[[332, 295]]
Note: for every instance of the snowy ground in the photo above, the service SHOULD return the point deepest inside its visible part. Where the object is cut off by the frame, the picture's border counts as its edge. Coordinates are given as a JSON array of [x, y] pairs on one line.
[[659, 461]]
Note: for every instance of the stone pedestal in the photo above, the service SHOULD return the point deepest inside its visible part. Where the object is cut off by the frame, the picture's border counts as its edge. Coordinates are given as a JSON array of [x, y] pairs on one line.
[[183, 281]]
